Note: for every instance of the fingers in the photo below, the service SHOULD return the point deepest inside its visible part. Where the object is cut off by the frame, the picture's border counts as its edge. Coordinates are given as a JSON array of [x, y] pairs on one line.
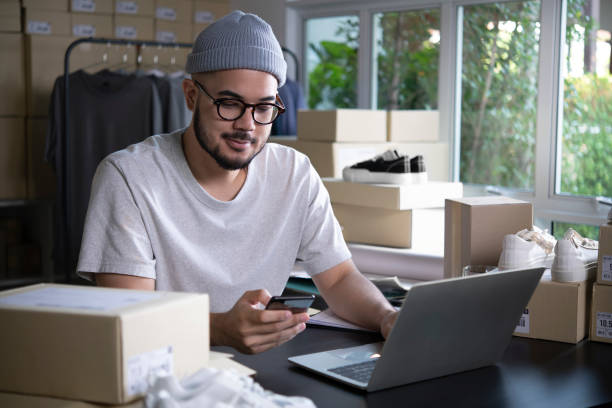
[[259, 343], [256, 296]]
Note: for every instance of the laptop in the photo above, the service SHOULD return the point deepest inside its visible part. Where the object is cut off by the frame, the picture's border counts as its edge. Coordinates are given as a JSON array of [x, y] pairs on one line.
[[443, 327]]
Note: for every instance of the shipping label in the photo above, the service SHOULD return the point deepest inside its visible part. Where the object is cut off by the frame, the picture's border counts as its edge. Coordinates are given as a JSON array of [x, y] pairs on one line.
[[165, 36], [126, 7], [87, 6], [39, 27], [84, 30], [204, 17], [523, 324], [128, 32], [165, 13], [606, 268], [604, 325]]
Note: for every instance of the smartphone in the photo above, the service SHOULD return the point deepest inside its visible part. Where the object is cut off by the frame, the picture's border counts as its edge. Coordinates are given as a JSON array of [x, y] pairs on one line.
[[297, 304]]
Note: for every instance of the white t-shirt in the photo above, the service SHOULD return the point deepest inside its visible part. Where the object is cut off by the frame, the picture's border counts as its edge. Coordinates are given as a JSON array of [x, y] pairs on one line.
[[149, 217]]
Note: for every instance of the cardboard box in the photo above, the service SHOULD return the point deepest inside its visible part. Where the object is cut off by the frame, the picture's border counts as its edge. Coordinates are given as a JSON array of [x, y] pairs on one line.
[[392, 196], [142, 8], [376, 226], [12, 76], [604, 257], [474, 229], [174, 10], [51, 5], [342, 125], [92, 6], [207, 11], [413, 126], [557, 311], [133, 28], [10, 16], [601, 313], [44, 22], [41, 177], [91, 25], [171, 32], [98, 344], [13, 180], [36, 401]]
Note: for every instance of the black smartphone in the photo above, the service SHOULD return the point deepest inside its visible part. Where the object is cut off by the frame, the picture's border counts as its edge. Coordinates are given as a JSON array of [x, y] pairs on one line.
[[297, 304]]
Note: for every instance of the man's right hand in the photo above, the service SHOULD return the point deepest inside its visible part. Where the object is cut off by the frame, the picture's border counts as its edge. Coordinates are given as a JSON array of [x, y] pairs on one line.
[[251, 330]]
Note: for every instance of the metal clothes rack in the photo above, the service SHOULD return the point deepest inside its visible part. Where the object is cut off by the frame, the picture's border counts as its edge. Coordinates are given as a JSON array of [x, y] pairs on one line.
[[95, 40], [296, 62]]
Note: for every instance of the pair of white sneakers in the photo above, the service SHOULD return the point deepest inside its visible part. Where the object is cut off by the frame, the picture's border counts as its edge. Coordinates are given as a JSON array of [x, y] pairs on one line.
[[571, 259]]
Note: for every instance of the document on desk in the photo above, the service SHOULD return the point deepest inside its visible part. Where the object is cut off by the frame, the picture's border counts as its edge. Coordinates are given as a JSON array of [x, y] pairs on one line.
[[327, 318]]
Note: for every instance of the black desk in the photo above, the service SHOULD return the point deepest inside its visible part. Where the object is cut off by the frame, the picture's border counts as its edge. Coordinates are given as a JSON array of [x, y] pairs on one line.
[[533, 373]]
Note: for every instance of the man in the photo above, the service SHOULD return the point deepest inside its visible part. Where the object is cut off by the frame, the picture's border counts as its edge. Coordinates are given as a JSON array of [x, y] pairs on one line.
[[213, 208]]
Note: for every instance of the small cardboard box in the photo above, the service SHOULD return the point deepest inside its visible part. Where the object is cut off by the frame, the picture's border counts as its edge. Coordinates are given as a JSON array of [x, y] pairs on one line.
[[44, 22], [133, 28], [557, 311], [174, 10], [13, 179], [376, 226], [41, 177], [12, 76], [601, 313], [172, 32], [52, 5], [143, 8], [91, 25], [92, 6], [413, 126], [342, 125], [604, 257], [474, 229], [392, 196], [10, 16], [98, 344]]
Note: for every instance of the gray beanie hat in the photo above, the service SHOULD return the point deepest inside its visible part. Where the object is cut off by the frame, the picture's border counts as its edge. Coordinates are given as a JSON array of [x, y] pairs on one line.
[[237, 41]]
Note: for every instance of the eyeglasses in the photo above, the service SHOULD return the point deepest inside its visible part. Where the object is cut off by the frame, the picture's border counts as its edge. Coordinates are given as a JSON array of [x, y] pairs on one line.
[[232, 109]]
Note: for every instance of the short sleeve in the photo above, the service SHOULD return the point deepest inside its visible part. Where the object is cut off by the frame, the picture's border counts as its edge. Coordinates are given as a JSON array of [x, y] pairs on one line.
[[115, 239]]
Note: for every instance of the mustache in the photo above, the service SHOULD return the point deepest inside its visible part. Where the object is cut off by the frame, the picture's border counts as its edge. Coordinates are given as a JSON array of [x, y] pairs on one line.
[[239, 136]]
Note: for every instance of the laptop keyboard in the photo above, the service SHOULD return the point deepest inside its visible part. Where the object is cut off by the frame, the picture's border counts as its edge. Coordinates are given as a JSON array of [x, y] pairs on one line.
[[359, 372]]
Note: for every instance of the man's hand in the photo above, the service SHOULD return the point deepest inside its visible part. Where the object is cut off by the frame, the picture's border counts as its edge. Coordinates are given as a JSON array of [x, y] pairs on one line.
[[251, 330], [387, 323]]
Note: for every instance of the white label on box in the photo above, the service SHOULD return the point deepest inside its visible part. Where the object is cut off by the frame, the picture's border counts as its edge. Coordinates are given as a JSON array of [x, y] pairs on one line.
[[165, 36], [204, 17], [606, 267], [83, 30], [39, 27], [76, 298], [165, 13], [126, 32], [126, 7], [140, 366], [88, 6], [523, 324], [604, 325]]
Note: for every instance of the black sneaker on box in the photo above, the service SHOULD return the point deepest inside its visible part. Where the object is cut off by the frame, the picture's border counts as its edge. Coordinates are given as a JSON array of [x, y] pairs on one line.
[[389, 167]]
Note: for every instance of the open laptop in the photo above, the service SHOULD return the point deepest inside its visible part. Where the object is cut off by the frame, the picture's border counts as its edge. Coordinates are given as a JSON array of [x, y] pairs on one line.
[[443, 327]]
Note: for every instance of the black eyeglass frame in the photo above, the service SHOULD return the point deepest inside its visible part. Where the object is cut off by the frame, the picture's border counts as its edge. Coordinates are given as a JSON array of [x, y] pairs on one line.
[[218, 101]]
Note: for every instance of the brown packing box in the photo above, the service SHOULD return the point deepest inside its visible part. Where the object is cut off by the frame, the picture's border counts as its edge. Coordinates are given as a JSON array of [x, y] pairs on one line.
[[98, 344], [10, 16], [36, 401], [92, 6], [174, 10], [557, 311], [41, 177], [91, 25], [474, 229], [54, 5], [342, 125], [413, 126], [13, 178], [143, 8], [133, 28], [601, 313], [391, 196], [169, 31], [377, 226], [46, 22], [12, 77], [604, 257]]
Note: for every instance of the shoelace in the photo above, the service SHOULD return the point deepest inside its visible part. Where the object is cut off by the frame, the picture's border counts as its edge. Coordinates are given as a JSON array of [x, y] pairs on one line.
[[541, 237], [579, 241]]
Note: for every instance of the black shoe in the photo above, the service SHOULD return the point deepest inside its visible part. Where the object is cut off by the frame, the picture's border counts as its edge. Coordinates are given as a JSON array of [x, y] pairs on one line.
[[390, 167]]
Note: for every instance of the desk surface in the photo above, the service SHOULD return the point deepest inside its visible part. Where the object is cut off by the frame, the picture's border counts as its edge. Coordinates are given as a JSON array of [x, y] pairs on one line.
[[533, 373]]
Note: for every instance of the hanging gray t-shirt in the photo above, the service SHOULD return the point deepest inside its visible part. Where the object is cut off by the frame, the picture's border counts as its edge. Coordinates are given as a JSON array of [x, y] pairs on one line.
[[149, 217]]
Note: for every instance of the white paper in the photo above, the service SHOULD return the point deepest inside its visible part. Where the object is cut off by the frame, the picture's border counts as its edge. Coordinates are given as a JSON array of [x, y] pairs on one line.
[[88, 6], [126, 7], [165, 36], [606, 267], [39, 27], [126, 32], [523, 324], [140, 366], [329, 319], [204, 17], [84, 30], [77, 298], [604, 325], [165, 13]]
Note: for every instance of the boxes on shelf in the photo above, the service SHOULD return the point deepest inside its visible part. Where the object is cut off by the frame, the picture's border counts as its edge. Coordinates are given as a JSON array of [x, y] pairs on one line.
[[12, 77], [171, 32], [13, 179], [133, 27], [143, 8], [46, 22], [53, 5], [601, 314], [557, 311], [49, 332], [207, 11], [41, 177], [92, 6], [342, 125], [174, 10], [91, 25], [474, 229], [391, 196], [413, 125], [604, 257], [10, 16]]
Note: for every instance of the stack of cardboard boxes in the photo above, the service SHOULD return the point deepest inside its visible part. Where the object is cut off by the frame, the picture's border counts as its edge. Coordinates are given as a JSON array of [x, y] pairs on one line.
[[601, 307]]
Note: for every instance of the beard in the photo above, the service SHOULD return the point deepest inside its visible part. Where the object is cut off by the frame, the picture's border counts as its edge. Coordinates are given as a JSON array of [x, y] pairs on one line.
[[205, 143]]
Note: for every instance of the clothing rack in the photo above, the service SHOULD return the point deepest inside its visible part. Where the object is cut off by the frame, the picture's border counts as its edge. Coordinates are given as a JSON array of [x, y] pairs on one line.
[[95, 40], [296, 62]]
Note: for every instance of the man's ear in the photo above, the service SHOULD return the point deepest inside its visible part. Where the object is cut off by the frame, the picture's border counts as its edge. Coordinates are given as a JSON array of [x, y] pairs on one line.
[[191, 93]]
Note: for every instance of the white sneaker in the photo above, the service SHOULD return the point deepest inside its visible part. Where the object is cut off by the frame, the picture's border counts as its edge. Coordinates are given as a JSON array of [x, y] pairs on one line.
[[526, 249], [575, 258]]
